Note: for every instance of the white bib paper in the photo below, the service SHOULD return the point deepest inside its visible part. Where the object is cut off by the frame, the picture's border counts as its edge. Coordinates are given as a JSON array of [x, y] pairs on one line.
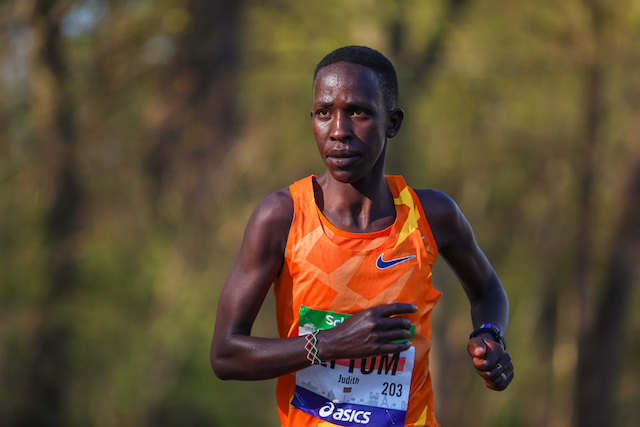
[[373, 391]]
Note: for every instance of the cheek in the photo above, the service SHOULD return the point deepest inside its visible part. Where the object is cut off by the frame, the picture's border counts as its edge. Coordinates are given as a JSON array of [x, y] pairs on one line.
[[320, 126], [320, 132], [315, 128], [374, 134], [320, 140]]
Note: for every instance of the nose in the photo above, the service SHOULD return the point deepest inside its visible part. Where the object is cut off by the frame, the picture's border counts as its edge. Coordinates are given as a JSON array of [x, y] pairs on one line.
[[341, 129]]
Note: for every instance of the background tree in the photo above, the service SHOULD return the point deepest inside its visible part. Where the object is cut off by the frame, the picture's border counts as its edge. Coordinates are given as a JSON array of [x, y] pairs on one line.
[[137, 136], [193, 122]]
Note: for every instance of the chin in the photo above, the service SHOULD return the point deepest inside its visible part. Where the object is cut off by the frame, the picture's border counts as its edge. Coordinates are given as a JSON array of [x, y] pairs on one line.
[[345, 177]]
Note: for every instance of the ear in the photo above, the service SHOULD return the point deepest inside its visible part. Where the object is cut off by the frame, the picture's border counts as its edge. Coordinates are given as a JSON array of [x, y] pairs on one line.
[[395, 121]]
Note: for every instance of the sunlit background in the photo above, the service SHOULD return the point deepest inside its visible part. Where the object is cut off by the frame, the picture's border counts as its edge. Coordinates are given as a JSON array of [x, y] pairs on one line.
[[137, 136]]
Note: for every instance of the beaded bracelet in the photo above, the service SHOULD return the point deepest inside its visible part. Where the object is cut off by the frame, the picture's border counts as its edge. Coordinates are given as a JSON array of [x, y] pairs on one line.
[[312, 350]]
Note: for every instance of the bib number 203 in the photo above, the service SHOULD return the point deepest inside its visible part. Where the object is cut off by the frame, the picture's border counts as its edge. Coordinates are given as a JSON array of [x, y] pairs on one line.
[[392, 389]]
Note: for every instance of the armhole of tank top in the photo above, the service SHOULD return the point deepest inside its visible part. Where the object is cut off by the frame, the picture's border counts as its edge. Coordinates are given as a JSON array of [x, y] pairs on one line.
[[424, 219]]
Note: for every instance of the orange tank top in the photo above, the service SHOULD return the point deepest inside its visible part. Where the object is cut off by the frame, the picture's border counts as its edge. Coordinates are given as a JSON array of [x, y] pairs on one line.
[[328, 275]]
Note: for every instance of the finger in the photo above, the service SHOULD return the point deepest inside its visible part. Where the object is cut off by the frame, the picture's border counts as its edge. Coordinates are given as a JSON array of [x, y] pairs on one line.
[[392, 348], [397, 323], [395, 335], [501, 382], [503, 364], [493, 352], [507, 368], [494, 373], [500, 376], [390, 309], [476, 348]]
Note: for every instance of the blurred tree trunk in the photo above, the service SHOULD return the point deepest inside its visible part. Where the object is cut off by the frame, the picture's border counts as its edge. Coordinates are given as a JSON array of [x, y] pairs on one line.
[[192, 125], [50, 368], [586, 156], [426, 63], [545, 338], [421, 66], [602, 313], [585, 221], [194, 122], [599, 347]]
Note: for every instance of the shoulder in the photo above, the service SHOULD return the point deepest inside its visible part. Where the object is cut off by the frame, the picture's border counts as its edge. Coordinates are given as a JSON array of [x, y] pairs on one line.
[[276, 207], [437, 205], [443, 214], [271, 219], [276, 210]]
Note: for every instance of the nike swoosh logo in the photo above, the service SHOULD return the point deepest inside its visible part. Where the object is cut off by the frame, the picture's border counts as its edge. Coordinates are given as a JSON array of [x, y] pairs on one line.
[[382, 264]]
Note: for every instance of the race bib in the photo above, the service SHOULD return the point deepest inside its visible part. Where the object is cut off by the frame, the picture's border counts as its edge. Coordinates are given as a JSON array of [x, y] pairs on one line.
[[373, 391]]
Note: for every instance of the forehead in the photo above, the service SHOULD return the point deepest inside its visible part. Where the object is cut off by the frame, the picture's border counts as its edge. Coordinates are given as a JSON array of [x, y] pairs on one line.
[[349, 81]]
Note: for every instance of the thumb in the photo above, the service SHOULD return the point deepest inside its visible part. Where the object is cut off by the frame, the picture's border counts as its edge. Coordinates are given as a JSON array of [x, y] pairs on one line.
[[477, 347]]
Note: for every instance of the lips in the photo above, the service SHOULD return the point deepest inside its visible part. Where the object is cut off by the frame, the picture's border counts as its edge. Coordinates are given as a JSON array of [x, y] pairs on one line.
[[343, 159], [342, 153]]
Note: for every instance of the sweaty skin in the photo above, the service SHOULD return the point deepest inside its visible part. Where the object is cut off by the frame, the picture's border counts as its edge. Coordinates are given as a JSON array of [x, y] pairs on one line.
[[351, 125]]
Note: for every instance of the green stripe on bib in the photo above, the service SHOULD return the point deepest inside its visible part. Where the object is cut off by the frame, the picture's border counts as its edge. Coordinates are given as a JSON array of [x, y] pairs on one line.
[[318, 319]]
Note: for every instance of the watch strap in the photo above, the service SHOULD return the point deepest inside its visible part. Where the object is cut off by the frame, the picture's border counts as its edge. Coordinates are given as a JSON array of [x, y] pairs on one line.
[[493, 330]]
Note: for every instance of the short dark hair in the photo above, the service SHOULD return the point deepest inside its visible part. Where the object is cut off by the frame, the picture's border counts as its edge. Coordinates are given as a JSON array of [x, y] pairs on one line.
[[371, 58]]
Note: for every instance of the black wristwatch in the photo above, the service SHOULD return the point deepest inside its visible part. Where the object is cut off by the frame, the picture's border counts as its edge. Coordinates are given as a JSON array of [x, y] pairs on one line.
[[493, 330]]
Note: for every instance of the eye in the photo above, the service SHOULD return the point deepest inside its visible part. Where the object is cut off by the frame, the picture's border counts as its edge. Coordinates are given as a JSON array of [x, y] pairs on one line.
[[360, 113], [322, 112]]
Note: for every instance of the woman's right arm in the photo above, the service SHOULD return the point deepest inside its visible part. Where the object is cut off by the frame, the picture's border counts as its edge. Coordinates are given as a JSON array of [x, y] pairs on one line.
[[235, 354]]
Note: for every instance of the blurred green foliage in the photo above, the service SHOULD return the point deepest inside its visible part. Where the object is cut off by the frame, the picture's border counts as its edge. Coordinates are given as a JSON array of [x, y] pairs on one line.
[[498, 119]]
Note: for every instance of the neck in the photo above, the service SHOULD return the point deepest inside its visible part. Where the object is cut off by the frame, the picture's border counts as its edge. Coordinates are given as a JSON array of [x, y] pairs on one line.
[[364, 206]]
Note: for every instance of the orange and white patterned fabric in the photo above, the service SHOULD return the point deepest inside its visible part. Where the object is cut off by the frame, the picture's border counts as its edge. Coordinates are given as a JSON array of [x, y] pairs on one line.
[[327, 269]]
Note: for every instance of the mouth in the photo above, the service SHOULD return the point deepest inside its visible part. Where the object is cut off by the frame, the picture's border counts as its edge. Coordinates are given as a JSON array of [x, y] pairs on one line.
[[343, 152], [343, 159]]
